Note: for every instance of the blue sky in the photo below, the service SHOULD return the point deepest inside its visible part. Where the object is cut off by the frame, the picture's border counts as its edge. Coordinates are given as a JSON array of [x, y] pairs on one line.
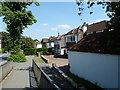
[[54, 17]]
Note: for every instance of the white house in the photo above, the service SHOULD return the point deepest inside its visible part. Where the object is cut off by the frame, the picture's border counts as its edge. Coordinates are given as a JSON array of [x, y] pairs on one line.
[[57, 44], [63, 42], [44, 42], [51, 42], [92, 60], [37, 44], [75, 35], [60, 46]]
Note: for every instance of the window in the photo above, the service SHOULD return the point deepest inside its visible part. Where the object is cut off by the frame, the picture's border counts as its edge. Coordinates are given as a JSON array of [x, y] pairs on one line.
[[70, 38], [73, 38], [57, 51]]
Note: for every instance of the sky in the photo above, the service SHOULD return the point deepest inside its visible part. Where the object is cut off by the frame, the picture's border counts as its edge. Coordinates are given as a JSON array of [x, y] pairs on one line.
[[54, 17]]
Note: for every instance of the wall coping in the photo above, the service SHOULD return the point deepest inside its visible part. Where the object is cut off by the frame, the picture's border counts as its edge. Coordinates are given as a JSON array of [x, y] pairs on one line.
[[96, 53]]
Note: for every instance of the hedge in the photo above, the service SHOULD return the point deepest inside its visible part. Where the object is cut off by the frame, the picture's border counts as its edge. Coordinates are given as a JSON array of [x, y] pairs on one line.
[[30, 51], [43, 51]]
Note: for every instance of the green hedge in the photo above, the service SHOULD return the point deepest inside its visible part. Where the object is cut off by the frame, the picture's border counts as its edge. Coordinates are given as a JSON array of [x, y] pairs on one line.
[[43, 51], [19, 57], [30, 51]]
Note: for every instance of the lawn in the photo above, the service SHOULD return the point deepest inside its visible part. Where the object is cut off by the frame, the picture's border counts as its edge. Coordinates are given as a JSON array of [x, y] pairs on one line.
[[85, 83], [39, 60]]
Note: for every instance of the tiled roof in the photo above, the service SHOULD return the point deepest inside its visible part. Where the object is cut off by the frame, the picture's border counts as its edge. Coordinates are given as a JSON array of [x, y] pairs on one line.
[[52, 38], [74, 31], [37, 42], [96, 43], [97, 26], [44, 40]]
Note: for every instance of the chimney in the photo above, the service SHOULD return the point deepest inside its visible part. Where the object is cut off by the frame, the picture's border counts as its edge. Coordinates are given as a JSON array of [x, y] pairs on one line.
[[58, 34], [84, 27]]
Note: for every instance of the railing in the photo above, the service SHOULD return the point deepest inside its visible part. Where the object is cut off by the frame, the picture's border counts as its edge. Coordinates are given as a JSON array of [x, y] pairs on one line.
[[43, 81], [5, 69]]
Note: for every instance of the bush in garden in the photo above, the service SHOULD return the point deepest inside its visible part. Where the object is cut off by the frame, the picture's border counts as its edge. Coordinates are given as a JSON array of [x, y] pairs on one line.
[[30, 51], [44, 49], [39, 49], [19, 57], [53, 52], [41, 53]]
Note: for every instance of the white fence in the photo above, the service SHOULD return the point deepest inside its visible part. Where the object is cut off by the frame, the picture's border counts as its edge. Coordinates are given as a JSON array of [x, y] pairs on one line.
[[101, 69]]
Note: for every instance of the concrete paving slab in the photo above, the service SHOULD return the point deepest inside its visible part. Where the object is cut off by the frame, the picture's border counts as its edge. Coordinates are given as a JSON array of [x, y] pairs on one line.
[[20, 76]]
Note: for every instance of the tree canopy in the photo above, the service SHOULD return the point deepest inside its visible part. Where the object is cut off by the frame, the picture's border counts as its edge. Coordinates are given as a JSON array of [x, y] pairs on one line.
[[17, 18], [5, 41], [27, 42]]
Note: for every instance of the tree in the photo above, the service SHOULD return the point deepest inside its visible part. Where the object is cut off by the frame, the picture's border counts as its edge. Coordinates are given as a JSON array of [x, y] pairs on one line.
[[113, 12], [27, 42], [36, 40], [5, 41], [17, 18]]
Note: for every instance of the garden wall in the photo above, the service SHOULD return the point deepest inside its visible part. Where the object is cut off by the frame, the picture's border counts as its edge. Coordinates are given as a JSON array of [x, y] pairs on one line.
[[101, 69]]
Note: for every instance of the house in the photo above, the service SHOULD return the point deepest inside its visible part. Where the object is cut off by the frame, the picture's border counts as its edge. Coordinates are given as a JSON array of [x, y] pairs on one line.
[[51, 42], [37, 44], [97, 27], [63, 45], [57, 44], [44, 42], [93, 60], [75, 35], [63, 42]]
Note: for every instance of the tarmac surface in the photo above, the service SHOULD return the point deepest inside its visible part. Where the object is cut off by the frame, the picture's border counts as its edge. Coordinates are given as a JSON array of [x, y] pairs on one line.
[[58, 61], [62, 63]]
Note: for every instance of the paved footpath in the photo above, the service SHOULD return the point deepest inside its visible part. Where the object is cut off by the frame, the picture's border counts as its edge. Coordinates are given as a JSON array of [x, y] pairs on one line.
[[19, 78]]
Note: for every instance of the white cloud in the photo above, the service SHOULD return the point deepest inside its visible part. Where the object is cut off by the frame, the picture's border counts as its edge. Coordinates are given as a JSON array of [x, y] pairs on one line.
[[45, 24], [64, 26], [54, 29]]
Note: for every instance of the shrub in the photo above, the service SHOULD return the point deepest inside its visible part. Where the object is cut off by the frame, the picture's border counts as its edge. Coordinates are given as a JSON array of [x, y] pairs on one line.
[[19, 57], [30, 51], [41, 53], [44, 49], [53, 52], [39, 49]]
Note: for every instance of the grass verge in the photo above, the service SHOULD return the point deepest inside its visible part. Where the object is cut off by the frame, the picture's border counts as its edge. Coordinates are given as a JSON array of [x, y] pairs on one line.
[[39, 60], [85, 83]]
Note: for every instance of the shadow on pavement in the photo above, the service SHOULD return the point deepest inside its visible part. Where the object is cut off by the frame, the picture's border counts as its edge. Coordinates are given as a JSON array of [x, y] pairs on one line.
[[27, 69], [64, 68]]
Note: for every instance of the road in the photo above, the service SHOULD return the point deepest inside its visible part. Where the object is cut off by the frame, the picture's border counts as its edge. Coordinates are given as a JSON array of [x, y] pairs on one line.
[[58, 61], [62, 63]]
